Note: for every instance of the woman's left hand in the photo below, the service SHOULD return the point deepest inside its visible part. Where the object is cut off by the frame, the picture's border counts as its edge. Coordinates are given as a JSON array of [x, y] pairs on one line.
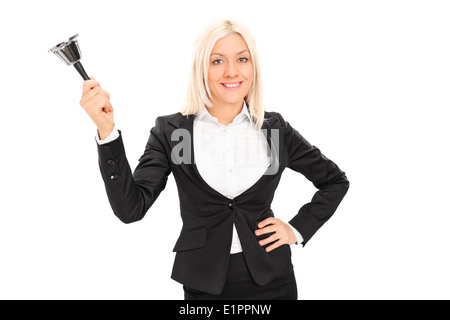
[[283, 233]]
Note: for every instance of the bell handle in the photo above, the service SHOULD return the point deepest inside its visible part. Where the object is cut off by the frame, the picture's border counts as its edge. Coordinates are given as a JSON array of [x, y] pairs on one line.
[[80, 70]]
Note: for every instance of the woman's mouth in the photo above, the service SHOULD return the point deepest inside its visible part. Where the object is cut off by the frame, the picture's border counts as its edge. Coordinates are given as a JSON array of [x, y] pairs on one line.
[[231, 85]]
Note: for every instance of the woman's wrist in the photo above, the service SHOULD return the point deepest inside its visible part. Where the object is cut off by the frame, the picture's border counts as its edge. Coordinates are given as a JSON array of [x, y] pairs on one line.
[[103, 133]]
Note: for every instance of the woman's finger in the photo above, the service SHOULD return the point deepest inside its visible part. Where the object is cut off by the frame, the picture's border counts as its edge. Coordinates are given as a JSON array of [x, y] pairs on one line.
[[96, 101], [97, 106], [109, 107], [268, 229], [275, 245], [90, 94], [89, 84], [270, 239], [265, 222], [106, 93]]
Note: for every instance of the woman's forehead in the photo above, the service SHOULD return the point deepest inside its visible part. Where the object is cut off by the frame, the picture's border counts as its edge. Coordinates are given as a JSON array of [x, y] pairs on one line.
[[232, 44]]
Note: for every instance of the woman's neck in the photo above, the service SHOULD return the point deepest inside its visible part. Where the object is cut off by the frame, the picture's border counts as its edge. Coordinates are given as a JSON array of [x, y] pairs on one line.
[[226, 113]]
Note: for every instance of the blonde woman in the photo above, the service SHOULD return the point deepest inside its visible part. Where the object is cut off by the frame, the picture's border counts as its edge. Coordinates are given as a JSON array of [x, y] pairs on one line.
[[227, 154]]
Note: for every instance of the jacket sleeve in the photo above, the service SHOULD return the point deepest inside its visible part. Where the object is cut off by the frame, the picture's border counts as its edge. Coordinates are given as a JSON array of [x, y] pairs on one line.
[[132, 194], [331, 182]]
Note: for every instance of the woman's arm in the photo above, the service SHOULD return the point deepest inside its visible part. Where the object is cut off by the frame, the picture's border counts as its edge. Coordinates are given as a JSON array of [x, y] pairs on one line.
[[132, 194], [323, 173]]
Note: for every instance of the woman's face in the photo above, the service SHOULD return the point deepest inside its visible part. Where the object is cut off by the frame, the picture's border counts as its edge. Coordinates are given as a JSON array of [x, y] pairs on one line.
[[230, 64]]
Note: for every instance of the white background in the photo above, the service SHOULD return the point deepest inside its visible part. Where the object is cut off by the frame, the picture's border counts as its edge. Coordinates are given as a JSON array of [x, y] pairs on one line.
[[365, 81]]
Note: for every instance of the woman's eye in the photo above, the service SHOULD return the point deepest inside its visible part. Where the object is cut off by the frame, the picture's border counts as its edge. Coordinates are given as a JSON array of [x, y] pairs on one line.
[[243, 59]]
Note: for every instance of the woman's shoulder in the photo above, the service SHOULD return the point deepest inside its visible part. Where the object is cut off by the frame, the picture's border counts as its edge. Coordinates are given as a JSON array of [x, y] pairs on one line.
[[171, 116], [274, 115], [175, 118]]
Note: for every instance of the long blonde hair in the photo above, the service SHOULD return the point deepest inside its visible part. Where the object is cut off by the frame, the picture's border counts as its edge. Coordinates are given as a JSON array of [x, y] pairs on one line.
[[198, 93]]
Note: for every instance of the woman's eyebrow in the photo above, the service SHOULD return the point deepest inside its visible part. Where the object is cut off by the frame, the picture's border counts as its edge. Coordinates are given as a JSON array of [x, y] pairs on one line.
[[219, 54]]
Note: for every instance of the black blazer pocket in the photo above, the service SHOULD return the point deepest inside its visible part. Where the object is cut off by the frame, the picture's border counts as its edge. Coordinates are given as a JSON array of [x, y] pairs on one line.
[[191, 239]]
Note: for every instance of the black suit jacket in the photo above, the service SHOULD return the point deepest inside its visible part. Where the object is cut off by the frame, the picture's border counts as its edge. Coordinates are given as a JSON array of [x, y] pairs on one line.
[[203, 247]]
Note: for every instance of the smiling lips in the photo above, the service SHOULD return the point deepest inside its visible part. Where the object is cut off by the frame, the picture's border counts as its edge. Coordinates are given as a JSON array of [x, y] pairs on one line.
[[231, 85]]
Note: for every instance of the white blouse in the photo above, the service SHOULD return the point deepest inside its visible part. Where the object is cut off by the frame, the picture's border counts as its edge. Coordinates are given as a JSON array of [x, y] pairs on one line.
[[230, 158]]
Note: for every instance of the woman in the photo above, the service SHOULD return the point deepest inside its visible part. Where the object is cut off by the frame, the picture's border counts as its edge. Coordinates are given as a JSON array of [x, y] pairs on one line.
[[231, 245]]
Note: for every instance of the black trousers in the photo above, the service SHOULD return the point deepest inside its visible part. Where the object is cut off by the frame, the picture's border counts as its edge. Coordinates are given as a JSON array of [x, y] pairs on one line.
[[240, 285]]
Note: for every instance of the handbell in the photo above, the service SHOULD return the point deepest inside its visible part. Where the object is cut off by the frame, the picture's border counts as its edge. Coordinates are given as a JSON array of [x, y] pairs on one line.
[[70, 53]]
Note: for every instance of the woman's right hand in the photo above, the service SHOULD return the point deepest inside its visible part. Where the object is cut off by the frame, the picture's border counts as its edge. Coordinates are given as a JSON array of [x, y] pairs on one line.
[[95, 101]]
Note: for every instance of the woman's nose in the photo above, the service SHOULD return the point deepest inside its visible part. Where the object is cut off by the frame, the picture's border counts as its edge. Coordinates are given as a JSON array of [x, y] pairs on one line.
[[231, 70]]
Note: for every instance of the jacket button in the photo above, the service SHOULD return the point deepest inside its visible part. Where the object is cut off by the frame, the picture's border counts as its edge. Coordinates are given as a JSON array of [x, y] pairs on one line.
[[110, 162], [230, 205], [114, 176]]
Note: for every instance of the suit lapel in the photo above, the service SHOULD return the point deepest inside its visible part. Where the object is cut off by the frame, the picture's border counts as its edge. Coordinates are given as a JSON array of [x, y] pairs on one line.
[[187, 123]]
